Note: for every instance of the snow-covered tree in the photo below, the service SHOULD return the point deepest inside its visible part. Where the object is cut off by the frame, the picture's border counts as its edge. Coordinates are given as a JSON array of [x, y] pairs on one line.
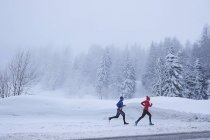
[[103, 74], [202, 48], [187, 60], [4, 85], [201, 85], [208, 91], [189, 82], [149, 77], [115, 73], [159, 50], [138, 56], [129, 79], [168, 44], [90, 64], [173, 82], [160, 73], [22, 73]]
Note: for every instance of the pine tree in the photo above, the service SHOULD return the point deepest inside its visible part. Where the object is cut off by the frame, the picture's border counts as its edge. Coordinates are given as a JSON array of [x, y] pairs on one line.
[[187, 60], [129, 79], [201, 50], [208, 89], [201, 85], [103, 74], [159, 50], [189, 80], [149, 76], [160, 73], [173, 82]]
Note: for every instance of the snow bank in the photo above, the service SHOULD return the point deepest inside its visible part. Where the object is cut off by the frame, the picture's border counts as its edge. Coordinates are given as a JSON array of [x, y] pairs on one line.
[[182, 104], [46, 116]]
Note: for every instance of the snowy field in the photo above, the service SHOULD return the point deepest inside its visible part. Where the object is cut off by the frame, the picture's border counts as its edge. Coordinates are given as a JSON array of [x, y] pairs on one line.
[[56, 117]]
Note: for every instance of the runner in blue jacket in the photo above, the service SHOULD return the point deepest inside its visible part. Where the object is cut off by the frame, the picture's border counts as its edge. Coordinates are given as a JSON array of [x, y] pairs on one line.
[[119, 110]]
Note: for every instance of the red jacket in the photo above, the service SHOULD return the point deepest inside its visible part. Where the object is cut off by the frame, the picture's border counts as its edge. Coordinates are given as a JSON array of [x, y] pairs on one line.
[[146, 103]]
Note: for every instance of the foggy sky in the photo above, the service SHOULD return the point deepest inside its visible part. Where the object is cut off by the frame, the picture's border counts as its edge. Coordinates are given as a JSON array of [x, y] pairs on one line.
[[81, 23]]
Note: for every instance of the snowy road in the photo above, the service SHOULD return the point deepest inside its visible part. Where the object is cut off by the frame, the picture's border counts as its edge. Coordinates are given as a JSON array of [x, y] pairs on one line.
[[205, 135]]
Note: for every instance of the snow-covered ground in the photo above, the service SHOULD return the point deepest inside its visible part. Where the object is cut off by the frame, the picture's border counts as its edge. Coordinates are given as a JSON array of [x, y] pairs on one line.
[[58, 117]]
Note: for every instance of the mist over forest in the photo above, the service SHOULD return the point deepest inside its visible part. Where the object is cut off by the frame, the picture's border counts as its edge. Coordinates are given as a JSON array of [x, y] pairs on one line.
[[105, 49], [167, 68]]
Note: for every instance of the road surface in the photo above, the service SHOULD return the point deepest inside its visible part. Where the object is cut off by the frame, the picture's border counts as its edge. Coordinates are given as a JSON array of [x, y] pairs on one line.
[[205, 135]]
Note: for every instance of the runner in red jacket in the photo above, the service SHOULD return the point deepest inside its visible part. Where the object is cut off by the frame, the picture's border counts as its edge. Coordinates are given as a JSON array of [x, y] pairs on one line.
[[146, 105]]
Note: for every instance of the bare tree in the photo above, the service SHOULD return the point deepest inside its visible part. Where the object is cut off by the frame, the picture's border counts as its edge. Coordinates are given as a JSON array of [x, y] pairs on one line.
[[4, 85], [22, 73]]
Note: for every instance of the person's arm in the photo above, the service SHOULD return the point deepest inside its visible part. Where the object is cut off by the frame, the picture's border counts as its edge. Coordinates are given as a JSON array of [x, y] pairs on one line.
[[142, 103], [151, 105], [117, 104], [120, 105], [123, 105]]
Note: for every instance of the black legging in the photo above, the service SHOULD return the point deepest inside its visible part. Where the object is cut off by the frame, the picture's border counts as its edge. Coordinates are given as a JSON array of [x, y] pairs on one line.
[[119, 112], [143, 114]]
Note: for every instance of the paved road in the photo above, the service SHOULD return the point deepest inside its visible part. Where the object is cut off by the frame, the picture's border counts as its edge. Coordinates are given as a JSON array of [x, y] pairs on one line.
[[205, 135]]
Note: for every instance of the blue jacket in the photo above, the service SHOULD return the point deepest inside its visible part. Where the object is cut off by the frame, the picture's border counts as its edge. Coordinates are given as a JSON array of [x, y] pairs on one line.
[[120, 104]]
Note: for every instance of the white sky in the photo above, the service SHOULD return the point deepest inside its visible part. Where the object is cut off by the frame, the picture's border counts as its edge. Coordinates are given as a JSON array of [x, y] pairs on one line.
[[81, 23]]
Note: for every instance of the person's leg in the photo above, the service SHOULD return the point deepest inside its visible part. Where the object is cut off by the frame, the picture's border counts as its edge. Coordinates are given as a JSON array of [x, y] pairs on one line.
[[150, 118], [142, 116], [116, 116], [123, 114]]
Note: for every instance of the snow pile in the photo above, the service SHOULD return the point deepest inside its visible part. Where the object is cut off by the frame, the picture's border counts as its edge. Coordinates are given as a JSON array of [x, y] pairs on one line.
[[45, 117], [182, 104]]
